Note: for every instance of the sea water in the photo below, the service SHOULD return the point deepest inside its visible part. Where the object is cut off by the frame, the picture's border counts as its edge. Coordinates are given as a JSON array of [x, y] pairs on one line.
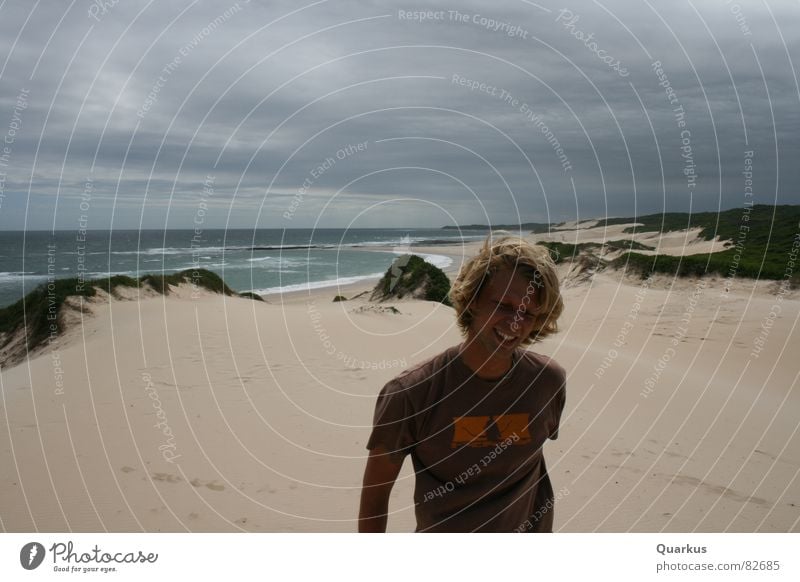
[[264, 261]]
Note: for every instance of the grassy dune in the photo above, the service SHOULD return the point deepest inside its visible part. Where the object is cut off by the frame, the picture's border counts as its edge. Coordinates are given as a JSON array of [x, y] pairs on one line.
[[38, 312], [762, 239]]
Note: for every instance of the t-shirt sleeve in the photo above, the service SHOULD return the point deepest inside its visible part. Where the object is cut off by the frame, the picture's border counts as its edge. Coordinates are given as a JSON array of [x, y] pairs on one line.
[[393, 424], [559, 400]]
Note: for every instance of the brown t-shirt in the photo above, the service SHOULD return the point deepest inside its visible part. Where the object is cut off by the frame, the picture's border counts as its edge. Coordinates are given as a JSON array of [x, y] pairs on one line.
[[476, 445]]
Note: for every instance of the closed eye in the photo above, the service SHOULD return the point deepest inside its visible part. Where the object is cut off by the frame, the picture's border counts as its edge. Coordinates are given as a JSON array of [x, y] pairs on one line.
[[514, 310], [504, 307]]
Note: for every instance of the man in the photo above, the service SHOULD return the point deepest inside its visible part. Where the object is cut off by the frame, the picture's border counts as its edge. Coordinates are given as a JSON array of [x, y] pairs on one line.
[[474, 418]]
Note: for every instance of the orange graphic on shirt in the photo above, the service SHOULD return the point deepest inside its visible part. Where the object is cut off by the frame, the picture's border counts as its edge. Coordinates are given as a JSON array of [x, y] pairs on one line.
[[488, 431], [514, 424]]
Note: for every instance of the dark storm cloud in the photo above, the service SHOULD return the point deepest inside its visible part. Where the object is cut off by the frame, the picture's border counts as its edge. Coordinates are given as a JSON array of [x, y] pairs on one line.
[[269, 101]]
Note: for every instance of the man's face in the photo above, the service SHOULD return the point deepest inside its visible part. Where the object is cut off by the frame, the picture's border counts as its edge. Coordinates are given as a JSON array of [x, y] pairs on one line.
[[503, 313]]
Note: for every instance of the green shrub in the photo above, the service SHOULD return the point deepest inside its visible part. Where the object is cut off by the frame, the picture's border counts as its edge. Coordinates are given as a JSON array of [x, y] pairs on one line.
[[407, 275]]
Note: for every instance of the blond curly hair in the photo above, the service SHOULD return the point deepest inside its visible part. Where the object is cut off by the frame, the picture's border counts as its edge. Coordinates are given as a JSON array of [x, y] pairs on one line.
[[517, 254]]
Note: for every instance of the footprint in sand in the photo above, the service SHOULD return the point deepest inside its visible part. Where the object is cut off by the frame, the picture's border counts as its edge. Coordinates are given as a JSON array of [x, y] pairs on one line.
[[213, 485], [127, 469], [166, 477], [717, 489]]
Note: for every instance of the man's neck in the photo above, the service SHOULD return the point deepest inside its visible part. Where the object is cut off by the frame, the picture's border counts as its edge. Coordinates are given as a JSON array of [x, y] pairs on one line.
[[485, 366]]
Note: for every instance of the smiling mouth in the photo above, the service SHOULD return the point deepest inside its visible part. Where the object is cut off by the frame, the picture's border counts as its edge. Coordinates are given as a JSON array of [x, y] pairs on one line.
[[504, 337]]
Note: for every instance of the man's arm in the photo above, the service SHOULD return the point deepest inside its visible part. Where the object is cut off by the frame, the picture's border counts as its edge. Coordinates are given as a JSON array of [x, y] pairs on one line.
[[379, 477]]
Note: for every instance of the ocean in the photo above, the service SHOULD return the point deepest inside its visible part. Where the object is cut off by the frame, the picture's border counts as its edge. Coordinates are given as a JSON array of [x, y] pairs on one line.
[[264, 261]]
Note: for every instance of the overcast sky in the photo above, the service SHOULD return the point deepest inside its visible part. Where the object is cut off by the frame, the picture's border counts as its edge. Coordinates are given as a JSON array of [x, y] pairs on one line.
[[250, 114]]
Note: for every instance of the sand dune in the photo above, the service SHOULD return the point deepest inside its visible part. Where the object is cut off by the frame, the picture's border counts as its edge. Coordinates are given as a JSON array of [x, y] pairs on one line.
[[213, 413], [677, 242]]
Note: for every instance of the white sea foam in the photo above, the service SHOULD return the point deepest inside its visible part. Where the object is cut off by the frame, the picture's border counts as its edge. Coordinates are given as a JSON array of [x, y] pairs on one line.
[[440, 261], [277, 262], [315, 284], [18, 275]]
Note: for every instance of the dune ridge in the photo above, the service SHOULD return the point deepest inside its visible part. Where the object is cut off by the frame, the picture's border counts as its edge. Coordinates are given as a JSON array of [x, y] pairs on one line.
[[207, 412]]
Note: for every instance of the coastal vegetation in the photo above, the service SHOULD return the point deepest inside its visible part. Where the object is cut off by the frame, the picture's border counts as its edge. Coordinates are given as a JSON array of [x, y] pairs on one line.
[[761, 239], [37, 316], [412, 277], [560, 251], [759, 242]]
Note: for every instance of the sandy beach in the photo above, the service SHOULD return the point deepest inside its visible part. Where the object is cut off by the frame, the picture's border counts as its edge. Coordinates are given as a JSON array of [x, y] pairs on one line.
[[200, 412]]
